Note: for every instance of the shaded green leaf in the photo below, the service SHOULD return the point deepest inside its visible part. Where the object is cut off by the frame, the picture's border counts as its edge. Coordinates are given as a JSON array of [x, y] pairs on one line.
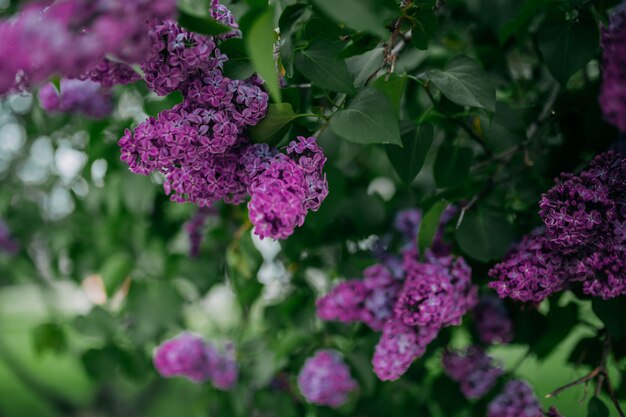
[[205, 25], [115, 270], [408, 160], [424, 29], [275, 124], [393, 86], [239, 66], [597, 408], [484, 234], [430, 224], [368, 119], [363, 15], [452, 165], [362, 67], [567, 45], [259, 40], [49, 337], [319, 63], [612, 313], [464, 82]]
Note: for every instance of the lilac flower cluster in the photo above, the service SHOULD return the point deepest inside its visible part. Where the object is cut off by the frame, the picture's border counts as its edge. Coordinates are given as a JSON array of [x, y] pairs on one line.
[[200, 145], [194, 358], [76, 96], [7, 242], [583, 238], [613, 92], [325, 379], [473, 369], [410, 306], [35, 41], [517, 399], [493, 323]]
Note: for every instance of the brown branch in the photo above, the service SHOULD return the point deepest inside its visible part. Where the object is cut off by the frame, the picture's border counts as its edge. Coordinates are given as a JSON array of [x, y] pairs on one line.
[[601, 374], [588, 377]]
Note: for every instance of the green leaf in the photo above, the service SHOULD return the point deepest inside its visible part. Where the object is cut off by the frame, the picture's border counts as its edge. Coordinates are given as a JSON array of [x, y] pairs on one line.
[[430, 224], [115, 270], [319, 63], [505, 130], [408, 160], [257, 4], [290, 16], [275, 124], [464, 82], [138, 193], [259, 40], [393, 87], [203, 24], [363, 15], [597, 408], [452, 165], [243, 261], [612, 313], [368, 119], [362, 67], [484, 234], [567, 45], [424, 29], [49, 337], [155, 105], [239, 66]]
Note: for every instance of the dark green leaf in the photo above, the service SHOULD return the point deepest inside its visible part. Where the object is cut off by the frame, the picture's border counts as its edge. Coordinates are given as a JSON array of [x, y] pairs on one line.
[[239, 66], [257, 4], [588, 351], [393, 87], [408, 160], [290, 16], [243, 262], [49, 337], [430, 224], [567, 45], [155, 105], [275, 124], [368, 119], [259, 41], [484, 234], [452, 165], [97, 323], [505, 130], [597, 408], [319, 63], [363, 15], [612, 313], [464, 82], [424, 29], [115, 270], [362, 67], [205, 25], [559, 323]]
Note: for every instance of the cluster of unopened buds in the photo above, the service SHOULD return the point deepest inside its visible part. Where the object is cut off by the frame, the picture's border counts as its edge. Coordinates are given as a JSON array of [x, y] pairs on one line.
[[190, 356], [583, 238]]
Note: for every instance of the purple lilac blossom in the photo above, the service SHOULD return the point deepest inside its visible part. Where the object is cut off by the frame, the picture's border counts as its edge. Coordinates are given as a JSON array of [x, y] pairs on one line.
[[76, 96], [613, 91], [109, 74], [398, 347], [35, 41], [7, 242], [493, 323], [185, 355], [290, 186], [435, 294], [192, 357], [369, 300], [195, 229], [325, 379], [473, 369], [408, 223], [584, 238], [517, 399], [553, 412]]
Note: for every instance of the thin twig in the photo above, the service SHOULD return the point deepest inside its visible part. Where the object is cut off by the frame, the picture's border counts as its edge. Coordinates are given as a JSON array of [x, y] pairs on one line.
[[588, 377]]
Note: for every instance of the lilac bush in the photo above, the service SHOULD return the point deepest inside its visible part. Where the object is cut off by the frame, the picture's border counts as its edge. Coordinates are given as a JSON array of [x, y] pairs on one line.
[[474, 370]]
